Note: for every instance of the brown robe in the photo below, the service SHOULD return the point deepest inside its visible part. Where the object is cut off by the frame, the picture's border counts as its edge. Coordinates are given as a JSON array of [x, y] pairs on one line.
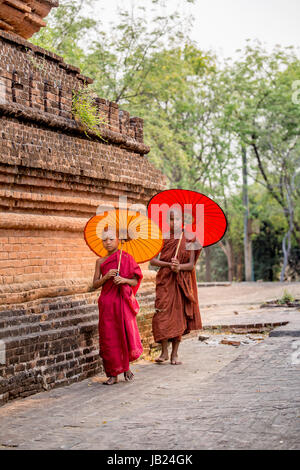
[[176, 305]]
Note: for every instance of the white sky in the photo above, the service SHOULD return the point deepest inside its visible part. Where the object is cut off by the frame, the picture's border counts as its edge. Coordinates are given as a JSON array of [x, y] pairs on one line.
[[224, 25]]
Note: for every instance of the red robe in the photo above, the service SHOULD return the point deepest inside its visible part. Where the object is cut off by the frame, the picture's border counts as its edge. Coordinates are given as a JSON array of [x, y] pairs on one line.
[[119, 337]]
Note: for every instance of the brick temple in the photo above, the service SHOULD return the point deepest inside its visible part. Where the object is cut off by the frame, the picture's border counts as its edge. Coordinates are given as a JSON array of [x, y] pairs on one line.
[[24, 17], [52, 179]]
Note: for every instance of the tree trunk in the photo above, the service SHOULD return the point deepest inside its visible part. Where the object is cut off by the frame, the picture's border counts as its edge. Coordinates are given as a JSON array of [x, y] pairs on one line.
[[239, 267], [286, 242], [207, 264], [229, 260], [247, 240], [227, 249], [286, 251]]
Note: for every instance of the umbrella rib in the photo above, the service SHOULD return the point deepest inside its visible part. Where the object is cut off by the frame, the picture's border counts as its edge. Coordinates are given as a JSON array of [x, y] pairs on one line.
[[136, 248]]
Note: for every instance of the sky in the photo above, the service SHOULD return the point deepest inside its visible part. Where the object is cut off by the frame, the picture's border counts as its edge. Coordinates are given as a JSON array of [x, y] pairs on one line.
[[225, 25]]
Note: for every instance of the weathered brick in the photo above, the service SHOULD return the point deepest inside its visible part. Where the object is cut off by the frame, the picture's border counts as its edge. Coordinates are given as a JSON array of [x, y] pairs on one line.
[[53, 179]]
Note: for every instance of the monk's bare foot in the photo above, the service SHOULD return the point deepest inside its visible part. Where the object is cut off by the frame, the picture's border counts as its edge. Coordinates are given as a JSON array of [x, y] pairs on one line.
[[128, 375], [162, 358], [174, 361], [111, 381]]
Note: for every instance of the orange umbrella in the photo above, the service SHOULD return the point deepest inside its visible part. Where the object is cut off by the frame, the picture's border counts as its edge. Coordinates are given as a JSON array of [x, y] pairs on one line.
[[139, 236]]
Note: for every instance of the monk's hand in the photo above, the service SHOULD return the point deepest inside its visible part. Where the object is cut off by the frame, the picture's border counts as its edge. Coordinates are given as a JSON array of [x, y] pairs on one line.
[[119, 280], [175, 266], [111, 273]]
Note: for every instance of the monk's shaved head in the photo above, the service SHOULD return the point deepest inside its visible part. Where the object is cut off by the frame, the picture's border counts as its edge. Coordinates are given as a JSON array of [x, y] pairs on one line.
[[109, 233]]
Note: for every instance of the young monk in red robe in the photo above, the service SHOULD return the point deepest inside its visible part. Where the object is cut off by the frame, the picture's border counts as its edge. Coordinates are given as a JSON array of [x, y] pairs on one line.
[[119, 337], [176, 305]]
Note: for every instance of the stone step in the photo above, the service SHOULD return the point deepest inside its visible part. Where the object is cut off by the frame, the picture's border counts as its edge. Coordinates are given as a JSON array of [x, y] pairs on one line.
[[245, 326], [50, 305], [65, 365], [214, 284], [54, 372], [24, 330], [49, 335], [46, 315], [43, 306], [62, 374], [39, 321]]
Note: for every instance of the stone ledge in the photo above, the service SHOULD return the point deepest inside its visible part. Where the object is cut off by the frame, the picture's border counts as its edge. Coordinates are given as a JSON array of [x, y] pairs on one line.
[[285, 332], [26, 113], [214, 284], [244, 326], [29, 291], [19, 293], [105, 184], [41, 222], [49, 198]]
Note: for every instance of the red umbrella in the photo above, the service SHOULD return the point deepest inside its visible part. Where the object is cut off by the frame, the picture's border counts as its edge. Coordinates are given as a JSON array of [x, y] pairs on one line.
[[201, 215]]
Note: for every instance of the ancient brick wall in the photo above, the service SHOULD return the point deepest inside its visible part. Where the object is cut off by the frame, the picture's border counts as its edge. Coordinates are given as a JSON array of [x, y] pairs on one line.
[[52, 179], [24, 17]]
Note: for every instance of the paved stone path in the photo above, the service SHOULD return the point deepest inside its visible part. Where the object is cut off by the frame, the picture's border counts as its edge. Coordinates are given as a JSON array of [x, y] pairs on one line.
[[240, 303], [222, 397]]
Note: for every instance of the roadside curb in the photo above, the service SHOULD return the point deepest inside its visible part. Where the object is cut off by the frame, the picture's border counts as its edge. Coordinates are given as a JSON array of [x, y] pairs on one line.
[[292, 329], [214, 284], [246, 326]]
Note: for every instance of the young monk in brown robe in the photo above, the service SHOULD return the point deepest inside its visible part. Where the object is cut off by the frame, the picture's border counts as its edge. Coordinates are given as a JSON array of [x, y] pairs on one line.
[[176, 305]]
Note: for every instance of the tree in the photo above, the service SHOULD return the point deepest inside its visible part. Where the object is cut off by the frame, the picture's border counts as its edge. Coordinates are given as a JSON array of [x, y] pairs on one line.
[[247, 239], [264, 118], [156, 83], [150, 69], [66, 28], [198, 114]]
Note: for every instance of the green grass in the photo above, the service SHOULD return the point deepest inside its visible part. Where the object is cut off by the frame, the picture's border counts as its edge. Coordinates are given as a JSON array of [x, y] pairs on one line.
[[287, 297], [85, 110]]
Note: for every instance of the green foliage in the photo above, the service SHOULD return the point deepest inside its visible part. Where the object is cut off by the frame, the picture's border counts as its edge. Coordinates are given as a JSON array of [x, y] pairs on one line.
[[153, 73], [267, 252], [66, 27], [286, 298], [294, 263], [198, 114], [85, 110]]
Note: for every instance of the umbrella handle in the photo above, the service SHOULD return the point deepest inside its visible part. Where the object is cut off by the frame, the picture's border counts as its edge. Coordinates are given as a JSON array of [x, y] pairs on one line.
[[178, 244], [121, 251]]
